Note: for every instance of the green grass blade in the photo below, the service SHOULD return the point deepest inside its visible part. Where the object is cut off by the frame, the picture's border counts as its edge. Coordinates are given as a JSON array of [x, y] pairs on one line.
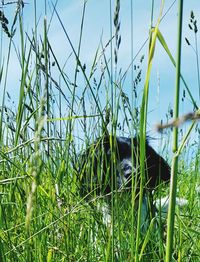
[[166, 48], [174, 171]]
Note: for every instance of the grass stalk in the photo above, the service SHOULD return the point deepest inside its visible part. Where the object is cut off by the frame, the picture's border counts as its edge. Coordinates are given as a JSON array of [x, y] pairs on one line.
[[174, 172], [47, 91], [4, 91], [43, 215], [143, 123], [165, 46]]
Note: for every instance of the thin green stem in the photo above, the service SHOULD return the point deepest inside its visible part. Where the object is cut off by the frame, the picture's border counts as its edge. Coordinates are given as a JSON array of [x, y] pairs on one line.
[[143, 124], [46, 54], [174, 171], [112, 131]]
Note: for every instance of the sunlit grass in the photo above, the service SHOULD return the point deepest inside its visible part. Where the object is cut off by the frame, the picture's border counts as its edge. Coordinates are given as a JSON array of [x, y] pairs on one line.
[[43, 217]]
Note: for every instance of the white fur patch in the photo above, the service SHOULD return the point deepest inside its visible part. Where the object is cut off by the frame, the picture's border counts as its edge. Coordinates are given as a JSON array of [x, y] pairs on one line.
[[163, 204], [125, 170]]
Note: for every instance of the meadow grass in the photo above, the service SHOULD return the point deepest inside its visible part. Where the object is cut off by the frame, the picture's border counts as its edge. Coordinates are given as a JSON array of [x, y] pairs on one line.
[[43, 216]]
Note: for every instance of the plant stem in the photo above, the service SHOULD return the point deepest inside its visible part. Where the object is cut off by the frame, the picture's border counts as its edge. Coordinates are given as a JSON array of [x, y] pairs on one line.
[[173, 185]]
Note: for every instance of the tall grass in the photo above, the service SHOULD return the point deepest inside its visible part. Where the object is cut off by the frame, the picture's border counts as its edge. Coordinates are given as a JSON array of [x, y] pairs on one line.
[[174, 173], [43, 216], [143, 123]]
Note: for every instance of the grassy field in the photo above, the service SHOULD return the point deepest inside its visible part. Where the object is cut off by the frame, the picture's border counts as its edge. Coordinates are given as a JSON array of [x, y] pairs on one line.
[[49, 121]]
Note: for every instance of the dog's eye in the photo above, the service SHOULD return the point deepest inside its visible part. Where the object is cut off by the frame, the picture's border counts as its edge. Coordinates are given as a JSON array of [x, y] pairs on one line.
[[127, 170], [126, 167]]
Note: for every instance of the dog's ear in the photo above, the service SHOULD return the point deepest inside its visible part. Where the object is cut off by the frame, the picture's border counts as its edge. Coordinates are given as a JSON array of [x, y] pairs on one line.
[[158, 169]]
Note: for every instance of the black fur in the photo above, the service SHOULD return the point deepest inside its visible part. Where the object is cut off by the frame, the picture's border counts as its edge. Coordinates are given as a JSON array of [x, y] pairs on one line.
[[103, 171]]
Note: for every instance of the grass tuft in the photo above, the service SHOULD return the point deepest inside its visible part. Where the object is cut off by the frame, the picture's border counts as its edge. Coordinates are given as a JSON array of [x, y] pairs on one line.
[[55, 110]]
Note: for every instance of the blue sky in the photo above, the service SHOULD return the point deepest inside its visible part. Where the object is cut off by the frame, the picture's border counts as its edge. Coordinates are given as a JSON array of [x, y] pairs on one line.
[[96, 24]]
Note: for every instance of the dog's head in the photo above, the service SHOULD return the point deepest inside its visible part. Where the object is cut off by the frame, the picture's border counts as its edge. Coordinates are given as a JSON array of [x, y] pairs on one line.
[[111, 163]]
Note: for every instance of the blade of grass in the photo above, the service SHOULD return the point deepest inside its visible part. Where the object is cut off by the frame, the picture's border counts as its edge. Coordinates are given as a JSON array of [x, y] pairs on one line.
[[164, 44], [143, 122], [174, 172], [147, 237], [22, 96]]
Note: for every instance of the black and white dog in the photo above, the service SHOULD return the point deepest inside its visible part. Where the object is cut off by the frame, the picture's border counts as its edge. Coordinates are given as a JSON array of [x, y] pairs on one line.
[[112, 164], [107, 168]]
